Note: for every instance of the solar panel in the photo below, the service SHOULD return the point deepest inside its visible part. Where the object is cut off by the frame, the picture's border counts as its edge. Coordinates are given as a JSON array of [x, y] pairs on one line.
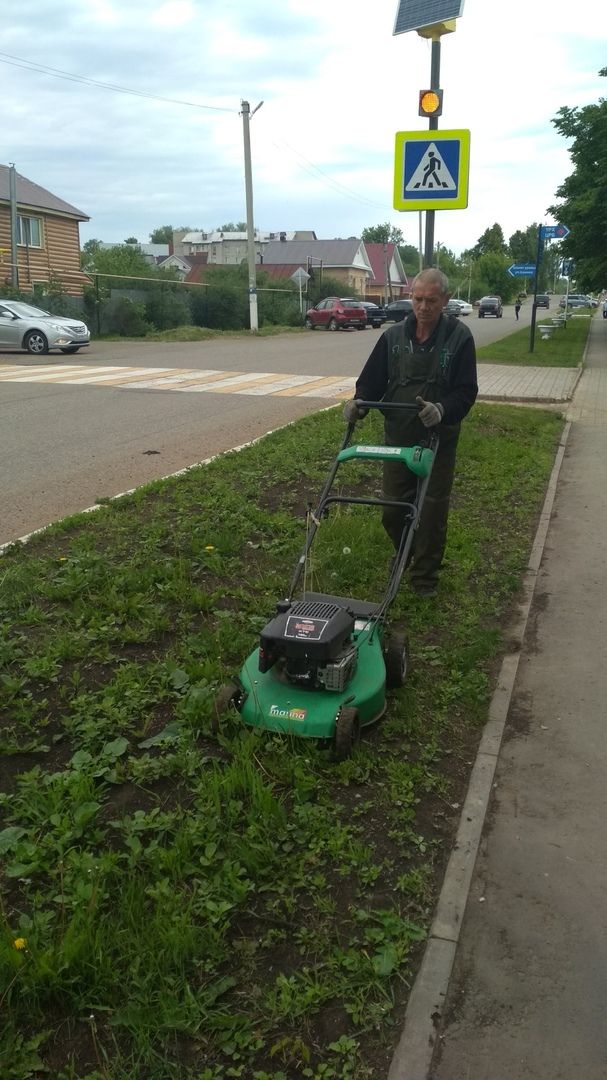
[[413, 14]]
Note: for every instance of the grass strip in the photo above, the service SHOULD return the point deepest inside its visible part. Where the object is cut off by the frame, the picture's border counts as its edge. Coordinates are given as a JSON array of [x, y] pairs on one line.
[[565, 347], [177, 902]]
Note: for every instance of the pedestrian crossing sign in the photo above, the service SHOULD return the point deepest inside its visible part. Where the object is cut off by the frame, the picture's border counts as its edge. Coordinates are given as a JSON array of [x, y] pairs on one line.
[[431, 170]]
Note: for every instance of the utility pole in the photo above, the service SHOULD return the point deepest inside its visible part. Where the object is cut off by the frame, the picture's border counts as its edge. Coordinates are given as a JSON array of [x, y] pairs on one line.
[[12, 187], [246, 115]]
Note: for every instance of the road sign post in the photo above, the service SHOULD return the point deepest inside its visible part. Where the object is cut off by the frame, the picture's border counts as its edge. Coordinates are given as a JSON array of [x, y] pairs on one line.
[[545, 232]]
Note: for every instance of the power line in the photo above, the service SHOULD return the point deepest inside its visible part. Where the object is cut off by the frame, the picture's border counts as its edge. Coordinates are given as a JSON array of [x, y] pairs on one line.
[[325, 176], [56, 73]]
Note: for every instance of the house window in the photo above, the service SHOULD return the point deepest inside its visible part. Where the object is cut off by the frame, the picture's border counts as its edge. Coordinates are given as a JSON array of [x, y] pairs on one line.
[[29, 231]]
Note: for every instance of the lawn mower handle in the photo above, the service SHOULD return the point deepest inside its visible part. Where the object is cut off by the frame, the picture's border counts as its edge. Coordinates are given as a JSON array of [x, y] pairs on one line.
[[406, 406]]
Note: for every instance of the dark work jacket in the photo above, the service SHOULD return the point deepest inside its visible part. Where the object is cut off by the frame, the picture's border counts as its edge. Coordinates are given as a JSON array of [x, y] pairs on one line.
[[455, 386]]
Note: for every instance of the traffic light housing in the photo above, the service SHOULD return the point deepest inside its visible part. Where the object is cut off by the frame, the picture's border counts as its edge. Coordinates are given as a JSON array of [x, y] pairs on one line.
[[430, 102]]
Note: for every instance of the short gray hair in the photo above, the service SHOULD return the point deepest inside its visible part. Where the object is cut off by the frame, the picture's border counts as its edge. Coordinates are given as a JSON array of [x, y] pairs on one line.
[[433, 277]]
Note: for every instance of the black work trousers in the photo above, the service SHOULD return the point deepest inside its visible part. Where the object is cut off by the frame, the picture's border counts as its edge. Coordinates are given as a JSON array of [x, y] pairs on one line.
[[431, 534]]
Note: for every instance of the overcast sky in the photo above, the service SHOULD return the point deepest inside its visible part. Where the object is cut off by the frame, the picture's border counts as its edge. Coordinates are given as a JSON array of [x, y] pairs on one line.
[[336, 86]]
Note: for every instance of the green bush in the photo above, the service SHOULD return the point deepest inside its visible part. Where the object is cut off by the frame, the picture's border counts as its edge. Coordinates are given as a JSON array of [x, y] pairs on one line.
[[165, 308], [127, 318]]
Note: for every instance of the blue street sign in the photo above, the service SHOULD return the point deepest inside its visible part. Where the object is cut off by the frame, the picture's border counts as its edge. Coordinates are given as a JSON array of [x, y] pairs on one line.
[[522, 270], [553, 232]]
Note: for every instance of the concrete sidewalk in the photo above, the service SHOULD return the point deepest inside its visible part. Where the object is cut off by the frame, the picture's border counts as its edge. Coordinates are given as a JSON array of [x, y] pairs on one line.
[[514, 981], [501, 382]]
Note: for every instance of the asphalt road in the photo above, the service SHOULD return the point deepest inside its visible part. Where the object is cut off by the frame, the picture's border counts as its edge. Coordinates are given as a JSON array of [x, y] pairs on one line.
[[63, 447]]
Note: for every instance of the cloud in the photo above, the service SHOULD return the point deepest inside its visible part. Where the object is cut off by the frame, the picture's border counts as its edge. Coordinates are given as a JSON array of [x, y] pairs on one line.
[[336, 87]]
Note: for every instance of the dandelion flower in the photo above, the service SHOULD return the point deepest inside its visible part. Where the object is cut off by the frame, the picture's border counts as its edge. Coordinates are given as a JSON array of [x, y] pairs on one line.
[[347, 551], [20, 943], [210, 547]]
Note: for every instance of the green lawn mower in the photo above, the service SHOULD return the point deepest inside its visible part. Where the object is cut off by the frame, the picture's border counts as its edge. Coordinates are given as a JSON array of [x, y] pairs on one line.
[[324, 662]]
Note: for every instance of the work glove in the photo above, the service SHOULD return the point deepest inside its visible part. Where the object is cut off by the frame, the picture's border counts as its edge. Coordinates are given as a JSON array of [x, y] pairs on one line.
[[430, 413], [352, 412]]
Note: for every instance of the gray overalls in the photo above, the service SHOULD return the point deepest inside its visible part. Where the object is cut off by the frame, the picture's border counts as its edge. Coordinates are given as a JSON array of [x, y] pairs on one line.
[[417, 371]]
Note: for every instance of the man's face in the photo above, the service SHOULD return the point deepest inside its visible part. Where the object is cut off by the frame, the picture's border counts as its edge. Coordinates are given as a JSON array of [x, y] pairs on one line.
[[428, 303]]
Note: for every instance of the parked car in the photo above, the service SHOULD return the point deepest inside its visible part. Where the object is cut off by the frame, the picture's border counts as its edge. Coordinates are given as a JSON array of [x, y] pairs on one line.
[[335, 314], [490, 305], [574, 300], [605, 309], [464, 307], [398, 310], [452, 308], [25, 327], [542, 300], [376, 315]]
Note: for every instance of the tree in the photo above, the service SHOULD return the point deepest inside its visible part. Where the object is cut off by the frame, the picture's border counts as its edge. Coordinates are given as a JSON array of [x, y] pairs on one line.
[[88, 253], [382, 234], [162, 235], [240, 226], [583, 195], [491, 276], [491, 240], [131, 240], [409, 256], [120, 259], [523, 244]]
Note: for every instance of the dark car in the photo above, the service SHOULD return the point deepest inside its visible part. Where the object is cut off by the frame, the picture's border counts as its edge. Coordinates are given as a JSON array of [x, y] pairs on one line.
[[335, 314], [376, 315], [398, 310], [490, 305], [452, 308], [542, 300]]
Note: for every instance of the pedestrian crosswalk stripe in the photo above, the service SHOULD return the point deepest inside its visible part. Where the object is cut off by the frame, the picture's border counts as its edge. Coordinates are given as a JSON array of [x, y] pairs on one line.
[[181, 380]]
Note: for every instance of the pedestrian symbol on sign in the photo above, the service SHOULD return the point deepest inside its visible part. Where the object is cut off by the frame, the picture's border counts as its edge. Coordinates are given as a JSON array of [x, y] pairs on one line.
[[431, 170], [426, 175]]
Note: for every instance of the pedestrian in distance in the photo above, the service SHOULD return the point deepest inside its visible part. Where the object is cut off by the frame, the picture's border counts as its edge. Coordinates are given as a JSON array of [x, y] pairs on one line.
[[430, 359], [517, 307]]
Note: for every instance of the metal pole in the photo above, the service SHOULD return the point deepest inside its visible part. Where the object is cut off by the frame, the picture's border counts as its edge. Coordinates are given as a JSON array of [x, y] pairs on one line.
[[420, 245], [246, 114], [12, 190], [433, 126], [538, 259]]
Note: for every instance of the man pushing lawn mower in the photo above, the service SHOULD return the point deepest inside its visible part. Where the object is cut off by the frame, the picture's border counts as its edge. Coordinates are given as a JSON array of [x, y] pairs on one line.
[[430, 359]]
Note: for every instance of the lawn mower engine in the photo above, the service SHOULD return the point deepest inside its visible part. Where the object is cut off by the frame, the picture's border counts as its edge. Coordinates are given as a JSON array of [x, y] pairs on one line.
[[311, 643]]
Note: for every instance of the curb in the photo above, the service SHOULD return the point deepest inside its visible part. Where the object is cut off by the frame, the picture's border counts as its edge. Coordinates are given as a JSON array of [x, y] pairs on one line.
[[413, 1056]]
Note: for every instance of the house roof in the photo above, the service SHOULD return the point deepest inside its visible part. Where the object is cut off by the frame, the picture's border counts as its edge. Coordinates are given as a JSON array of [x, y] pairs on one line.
[[38, 198], [278, 270], [198, 266], [216, 236], [379, 255], [332, 253]]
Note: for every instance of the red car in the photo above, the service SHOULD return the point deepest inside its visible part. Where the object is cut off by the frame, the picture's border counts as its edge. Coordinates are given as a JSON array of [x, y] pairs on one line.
[[335, 314]]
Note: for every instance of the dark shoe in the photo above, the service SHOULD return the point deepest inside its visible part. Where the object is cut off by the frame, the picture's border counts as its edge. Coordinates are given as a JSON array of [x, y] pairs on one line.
[[426, 589]]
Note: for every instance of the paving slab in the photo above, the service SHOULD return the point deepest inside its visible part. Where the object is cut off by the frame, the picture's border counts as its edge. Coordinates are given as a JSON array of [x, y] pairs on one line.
[[517, 990], [503, 382]]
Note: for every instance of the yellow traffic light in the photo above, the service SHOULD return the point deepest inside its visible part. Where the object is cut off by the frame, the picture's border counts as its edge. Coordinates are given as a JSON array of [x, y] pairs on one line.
[[430, 102]]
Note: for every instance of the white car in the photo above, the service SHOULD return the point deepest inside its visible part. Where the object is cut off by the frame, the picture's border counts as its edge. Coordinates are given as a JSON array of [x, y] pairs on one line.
[[464, 307], [25, 327]]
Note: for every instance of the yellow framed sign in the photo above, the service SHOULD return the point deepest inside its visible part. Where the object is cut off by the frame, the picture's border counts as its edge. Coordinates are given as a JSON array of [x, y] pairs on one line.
[[431, 170]]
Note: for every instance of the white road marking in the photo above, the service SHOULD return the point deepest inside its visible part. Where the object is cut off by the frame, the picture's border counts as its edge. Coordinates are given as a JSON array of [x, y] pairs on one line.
[[185, 381]]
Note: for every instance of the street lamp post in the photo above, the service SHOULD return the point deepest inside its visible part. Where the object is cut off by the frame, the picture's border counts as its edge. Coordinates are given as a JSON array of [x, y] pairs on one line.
[[246, 116]]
